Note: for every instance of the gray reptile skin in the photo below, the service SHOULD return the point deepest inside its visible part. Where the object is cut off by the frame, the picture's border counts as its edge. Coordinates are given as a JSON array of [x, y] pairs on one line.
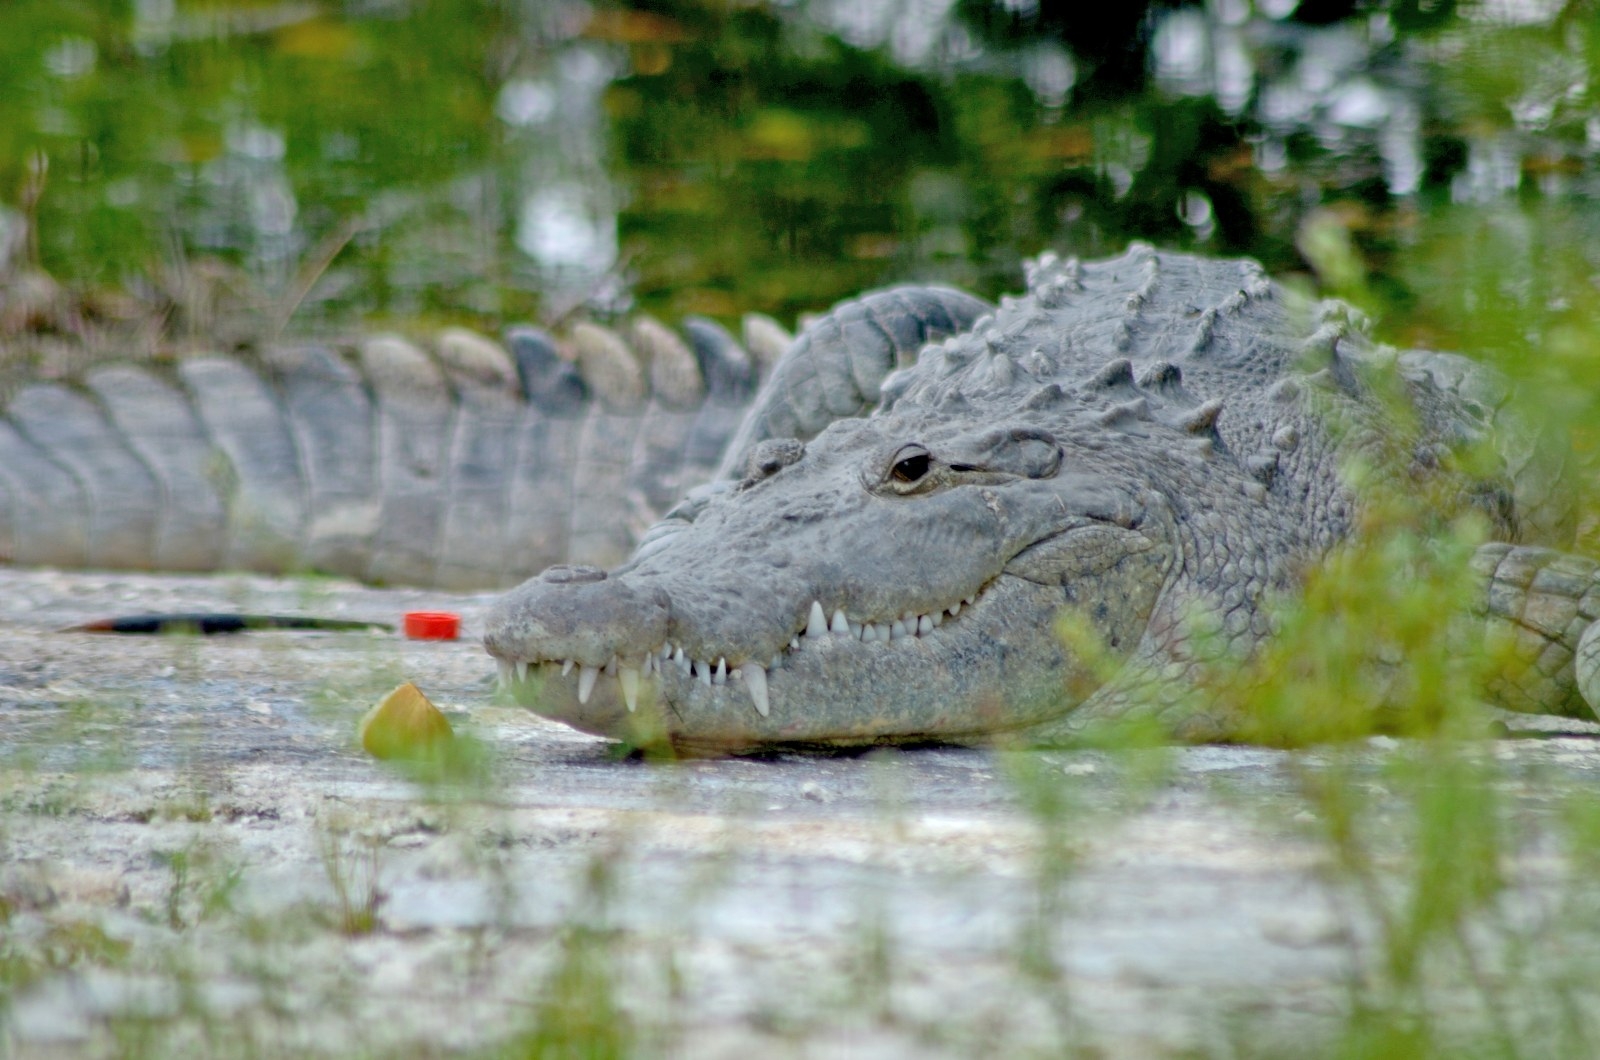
[[1152, 441], [468, 466]]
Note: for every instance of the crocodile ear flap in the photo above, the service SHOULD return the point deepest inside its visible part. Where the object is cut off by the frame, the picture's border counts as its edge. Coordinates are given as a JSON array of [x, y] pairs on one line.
[[1026, 452]]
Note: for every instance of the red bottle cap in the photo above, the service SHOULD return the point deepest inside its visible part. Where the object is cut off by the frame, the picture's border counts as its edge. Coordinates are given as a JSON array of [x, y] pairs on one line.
[[432, 625]]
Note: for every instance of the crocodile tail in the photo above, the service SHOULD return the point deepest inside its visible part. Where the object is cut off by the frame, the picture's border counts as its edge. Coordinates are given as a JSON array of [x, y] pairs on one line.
[[473, 464]]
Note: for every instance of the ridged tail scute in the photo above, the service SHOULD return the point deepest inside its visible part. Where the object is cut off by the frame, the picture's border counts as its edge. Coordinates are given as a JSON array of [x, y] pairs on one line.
[[675, 376], [549, 380], [612, 370], [658, 470], [766, 340], [488, 410], [540, 493], [329, 412], [413, 431], [599, 530]]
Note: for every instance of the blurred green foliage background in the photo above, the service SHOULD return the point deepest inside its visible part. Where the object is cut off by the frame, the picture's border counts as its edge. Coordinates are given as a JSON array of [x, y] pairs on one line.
[[494, 160]]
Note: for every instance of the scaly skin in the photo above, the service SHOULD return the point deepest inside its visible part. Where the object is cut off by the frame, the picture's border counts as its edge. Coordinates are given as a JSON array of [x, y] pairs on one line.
[[1153, 442], [469, 466]]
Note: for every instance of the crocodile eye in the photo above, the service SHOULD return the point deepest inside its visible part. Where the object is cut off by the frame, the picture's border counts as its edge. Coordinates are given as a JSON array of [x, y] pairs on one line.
[[910, 468]]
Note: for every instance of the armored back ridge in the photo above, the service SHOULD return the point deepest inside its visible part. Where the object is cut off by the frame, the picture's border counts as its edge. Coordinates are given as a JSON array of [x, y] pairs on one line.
[[1142, 440]]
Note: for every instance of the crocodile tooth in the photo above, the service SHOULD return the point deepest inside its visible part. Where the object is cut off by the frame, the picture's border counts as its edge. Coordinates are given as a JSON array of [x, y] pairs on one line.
[[968, 600], [897, 630], [937, 618], [816, 621], [611, 666], [909, 619], [566, 667], [685, 667], [854, 630], [884, 633], [649, 664], [777, 660], [522, 669], [586, 679], [794, 643], [630, 687], [869, 633], [703, 672], [955, 609], [924, 625], [755, 679], [506, 671], [720, 675], [840, 623]]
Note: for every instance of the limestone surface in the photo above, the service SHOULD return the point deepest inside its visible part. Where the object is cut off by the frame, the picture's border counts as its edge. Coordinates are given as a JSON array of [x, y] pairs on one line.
[[196, 858]]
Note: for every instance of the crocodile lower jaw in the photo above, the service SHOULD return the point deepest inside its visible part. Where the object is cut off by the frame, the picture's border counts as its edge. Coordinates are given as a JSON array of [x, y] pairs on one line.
[[598, 698]]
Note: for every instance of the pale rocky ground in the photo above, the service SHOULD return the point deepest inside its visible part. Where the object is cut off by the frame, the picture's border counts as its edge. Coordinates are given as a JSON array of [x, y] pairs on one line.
[[178, 815]]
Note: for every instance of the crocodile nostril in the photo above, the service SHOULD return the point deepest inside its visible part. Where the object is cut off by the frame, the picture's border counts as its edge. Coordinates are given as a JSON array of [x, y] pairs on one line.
[[563, 573]]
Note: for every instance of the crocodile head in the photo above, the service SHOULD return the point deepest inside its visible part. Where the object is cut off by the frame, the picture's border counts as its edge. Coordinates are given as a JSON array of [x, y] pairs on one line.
[[894, 579]]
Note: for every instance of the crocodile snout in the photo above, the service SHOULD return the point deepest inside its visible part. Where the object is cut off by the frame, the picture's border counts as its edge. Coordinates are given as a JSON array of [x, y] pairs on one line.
[[577, 616]]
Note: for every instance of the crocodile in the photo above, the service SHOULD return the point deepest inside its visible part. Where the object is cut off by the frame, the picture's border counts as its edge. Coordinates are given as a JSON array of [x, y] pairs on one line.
[[472, 465], [1155, 443]]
